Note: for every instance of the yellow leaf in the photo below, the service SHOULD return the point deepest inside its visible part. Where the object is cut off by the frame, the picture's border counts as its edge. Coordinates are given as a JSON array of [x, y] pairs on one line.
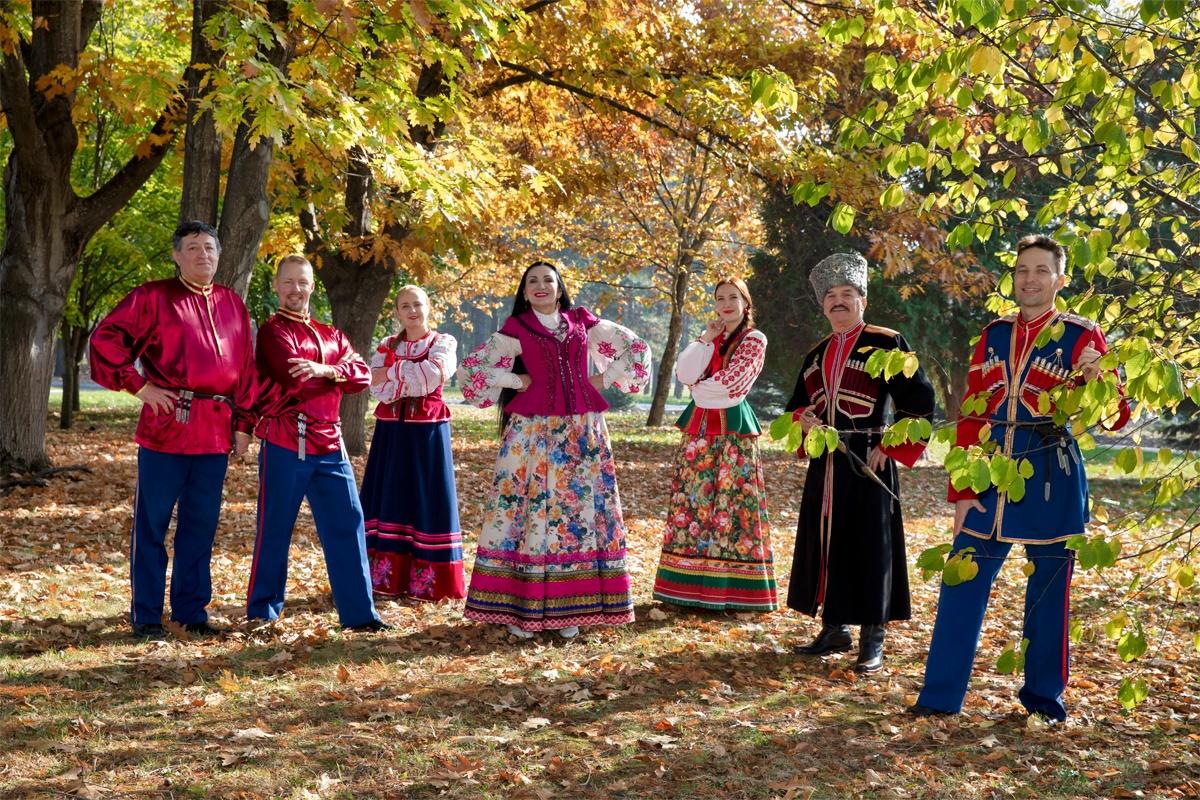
[[988, 60]]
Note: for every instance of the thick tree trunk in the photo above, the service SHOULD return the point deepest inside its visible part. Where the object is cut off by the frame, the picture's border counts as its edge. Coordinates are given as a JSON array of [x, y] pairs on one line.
[[666, 367], [46, 225], [36, 264], [357, 293], [201, 145], [246, 212], [247, 209]]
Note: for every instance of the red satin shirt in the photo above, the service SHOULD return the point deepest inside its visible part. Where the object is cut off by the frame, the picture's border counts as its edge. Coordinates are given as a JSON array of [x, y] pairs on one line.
[[185, 337], [282, 398]]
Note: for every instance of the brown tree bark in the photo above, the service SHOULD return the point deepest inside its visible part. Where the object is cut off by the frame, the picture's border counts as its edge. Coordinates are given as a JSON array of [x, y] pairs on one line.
[[47, 225], [246, 209], [666, 367], [201, 145]]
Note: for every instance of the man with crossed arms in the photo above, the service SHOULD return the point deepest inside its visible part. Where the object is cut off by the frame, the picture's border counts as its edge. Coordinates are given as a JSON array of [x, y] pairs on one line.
[[304, 369]]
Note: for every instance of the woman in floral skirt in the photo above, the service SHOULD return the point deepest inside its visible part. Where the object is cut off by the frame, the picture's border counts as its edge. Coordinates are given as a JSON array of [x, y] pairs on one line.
[[408, 496], [717, 549], [551, 554]]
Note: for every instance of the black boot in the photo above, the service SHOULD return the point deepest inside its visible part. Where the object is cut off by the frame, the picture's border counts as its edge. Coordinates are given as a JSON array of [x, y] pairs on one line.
[[831, 639], [870, 648]]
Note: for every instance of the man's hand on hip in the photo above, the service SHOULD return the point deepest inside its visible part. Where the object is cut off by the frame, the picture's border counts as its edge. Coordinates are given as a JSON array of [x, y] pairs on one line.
[[160, 399]]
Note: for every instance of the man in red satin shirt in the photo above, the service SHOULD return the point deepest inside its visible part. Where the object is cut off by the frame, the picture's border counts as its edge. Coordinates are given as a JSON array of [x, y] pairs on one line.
[[193, 341], [305, 367]]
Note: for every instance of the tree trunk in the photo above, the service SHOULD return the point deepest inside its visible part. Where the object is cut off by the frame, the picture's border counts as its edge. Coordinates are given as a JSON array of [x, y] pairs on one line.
[[66, 413], [46, 225], [357, 293], [36, 265], [201, 145], [247, 210], [666, 367], [77, 367]]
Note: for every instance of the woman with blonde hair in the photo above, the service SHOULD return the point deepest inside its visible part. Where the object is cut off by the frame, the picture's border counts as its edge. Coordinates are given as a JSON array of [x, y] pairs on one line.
[[717, 550], [408, 495]]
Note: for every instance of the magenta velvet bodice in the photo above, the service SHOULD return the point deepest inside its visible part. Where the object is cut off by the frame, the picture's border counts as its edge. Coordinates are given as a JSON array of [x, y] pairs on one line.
[[557, 367]]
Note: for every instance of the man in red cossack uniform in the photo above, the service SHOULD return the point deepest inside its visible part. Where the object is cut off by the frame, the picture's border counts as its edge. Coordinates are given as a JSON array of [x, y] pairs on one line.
[[305, 367], [194, 343]]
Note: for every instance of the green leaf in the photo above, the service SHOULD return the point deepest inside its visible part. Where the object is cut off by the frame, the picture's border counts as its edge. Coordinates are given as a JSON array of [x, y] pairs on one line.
[[892, 197], [1013, 658], [961, 237], [1132, 692], [1126, 460], [1016, 489], [814, 442], [960, 568], [842, 218], [794, 438], [1132, 644], [832, 440], [1006, 664], [933, 560], [981, 476], [780, 426]]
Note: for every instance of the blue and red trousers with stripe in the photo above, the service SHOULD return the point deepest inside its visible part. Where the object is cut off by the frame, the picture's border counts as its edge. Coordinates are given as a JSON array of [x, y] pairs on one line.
[[1046, 626], [190, 486], [327, 481]]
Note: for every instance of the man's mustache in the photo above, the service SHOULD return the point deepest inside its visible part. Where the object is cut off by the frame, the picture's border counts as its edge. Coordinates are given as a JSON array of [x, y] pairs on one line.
[[839, 308]]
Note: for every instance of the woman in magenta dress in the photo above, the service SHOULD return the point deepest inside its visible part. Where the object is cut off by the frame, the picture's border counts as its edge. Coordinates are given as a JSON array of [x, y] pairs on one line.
[[408, 495], [551, 554], [717, 549]]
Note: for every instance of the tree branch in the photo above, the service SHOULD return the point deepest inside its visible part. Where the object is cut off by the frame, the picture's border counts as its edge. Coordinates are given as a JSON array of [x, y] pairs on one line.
[[19, 115], [97, 208]]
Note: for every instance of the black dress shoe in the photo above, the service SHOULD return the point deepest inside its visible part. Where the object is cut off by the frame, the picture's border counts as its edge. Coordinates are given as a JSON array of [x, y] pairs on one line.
[[203, 629], [870, 649], [149, 630], [374, 626], [831, 639], [918, 710]]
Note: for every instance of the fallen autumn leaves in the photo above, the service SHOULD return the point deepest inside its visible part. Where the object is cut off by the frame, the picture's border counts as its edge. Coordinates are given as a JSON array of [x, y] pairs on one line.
[[678, 704]]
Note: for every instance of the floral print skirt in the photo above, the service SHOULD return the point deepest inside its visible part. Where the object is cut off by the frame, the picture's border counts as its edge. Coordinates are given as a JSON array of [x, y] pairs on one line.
[[717, 547], [552, 550]]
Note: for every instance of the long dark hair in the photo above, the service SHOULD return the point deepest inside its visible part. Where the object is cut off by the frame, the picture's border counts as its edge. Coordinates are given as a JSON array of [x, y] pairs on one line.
[[747, 316], [520, 306]]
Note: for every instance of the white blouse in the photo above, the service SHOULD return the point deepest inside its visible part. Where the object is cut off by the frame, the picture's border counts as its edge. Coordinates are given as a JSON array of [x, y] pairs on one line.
[[620, 357], [728, 386], [407, 377]]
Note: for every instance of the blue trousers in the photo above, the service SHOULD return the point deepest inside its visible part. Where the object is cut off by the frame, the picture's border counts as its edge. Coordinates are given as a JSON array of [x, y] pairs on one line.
[[166, 480], [328, 483], [960, 620]]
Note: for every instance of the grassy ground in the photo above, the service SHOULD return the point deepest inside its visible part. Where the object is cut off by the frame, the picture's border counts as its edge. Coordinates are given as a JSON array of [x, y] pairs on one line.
[[676, 705]]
